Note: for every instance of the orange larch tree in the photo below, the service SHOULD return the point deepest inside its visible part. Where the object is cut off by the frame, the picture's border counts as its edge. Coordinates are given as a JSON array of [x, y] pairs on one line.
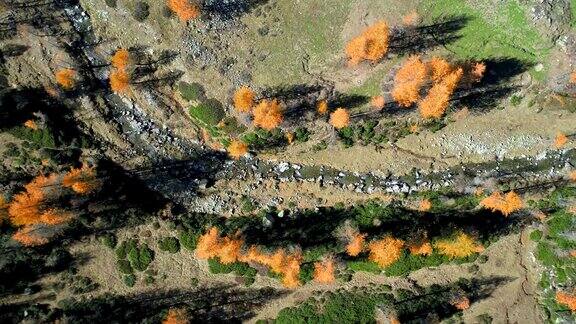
[[184, 9], [424, 205], [355, 244], [81, 180], [439, 68], [176, 316], [506, 204], [119, 81], [244, 99], [322, 107], [478, 71], [385, 251], [268, 114], [371, 45], [560, 140], [462, 246], [408, 81], [340, 118], [208, 244], [377, 102], [324, 271], [30, 123], [566, 299], [121, 59], [66, 78], [237, 149], [438, 98]]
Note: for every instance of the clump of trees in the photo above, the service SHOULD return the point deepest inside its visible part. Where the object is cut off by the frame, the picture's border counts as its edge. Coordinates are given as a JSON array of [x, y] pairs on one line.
[[442, 78], [237, 149], [267, 113], [33, 211], [229, 250], [461, 246]]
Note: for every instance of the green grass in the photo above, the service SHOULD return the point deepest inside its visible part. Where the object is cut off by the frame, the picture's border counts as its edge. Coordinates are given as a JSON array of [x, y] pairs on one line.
[[209, 112], [504, 32]]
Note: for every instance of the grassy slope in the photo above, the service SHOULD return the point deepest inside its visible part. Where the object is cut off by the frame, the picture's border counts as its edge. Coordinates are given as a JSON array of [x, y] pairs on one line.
[[507, 33]]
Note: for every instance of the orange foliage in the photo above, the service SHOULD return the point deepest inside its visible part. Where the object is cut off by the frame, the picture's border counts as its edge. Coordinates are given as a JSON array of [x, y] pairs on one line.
[[291, 271], [569, 300], [439, 68], [385, 251], [31, 124], [572, 175], [237, 149], [438, 99], [244, 99], [229, 250], [121, 59], [411, 19], [208, 244], [462, 303], [462, 246], [81, 180], [340, 118], [408, 81], [322, 107], [52, 217], [184, 9], [268, 114], [422, 248], [176, 316], [25, 206], [573, 253], [573, 77], [414, 128], [478, 70], [119, 81], [27, 237], [425, 205], [560, 140], [324, 271], [356, 244], [371, 45], [65, 78], [377, 102], [506, 204], [290, 137]]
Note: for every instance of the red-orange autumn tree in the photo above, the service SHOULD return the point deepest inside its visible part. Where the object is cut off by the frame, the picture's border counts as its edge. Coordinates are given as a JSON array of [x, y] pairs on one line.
[[324, 271], [340, 118], [244, 99], [371, 45], [184, 9], [506, 204], [33, 208], [237, 149], [409, 80], [66, 78], [119, 77], [268, 114], [385, 251]]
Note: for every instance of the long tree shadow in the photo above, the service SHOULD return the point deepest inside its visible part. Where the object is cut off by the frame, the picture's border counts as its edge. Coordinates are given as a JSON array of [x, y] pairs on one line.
[[410, 40], [216, 304], [226, 10], [309, 229], [302, 98], [437, 302]]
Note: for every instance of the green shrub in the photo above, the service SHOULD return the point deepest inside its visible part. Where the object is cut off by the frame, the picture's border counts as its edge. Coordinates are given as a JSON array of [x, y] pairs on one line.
[[149, 280], [536, 235], [121, 250], [247, 205], [209, 112], [306, 272], [302, 134], [111, 3], [239, 268], [140, 257], [130, 280], [169, 244], [366, 266], [189, 239], [109, 240], [194, 282], [346, 135], [40, 138], [83, 285], [124, 266], [192, 91], [141, 11]]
